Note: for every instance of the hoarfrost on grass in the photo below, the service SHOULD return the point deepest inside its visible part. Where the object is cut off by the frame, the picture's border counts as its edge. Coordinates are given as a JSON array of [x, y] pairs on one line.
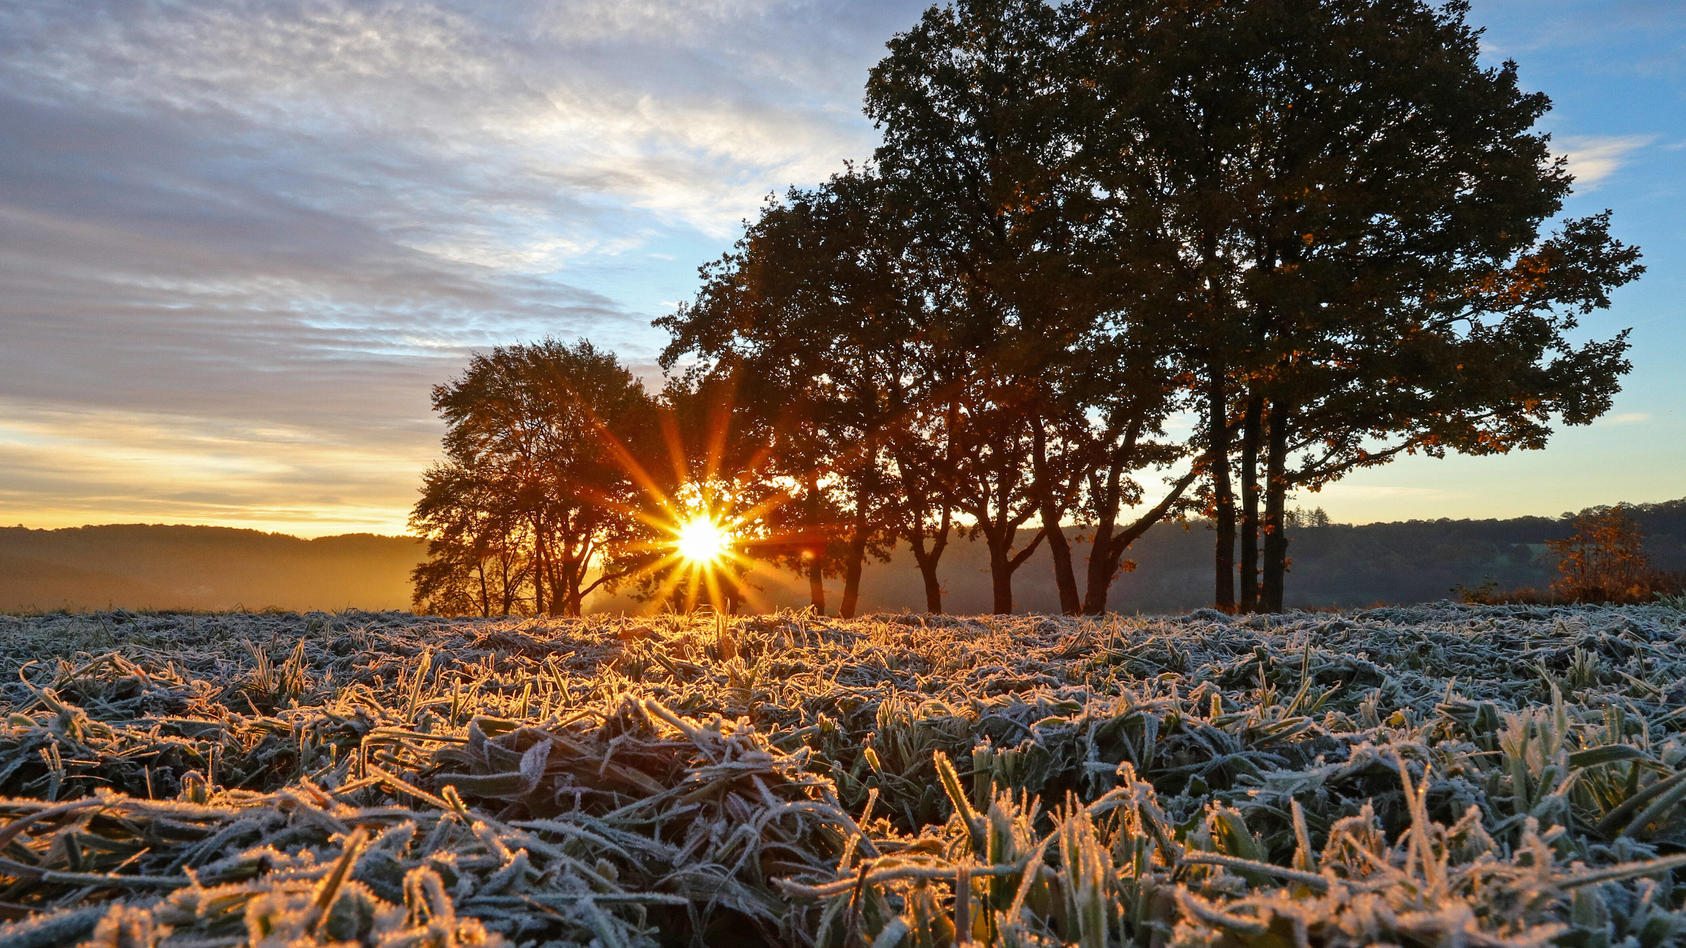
[[1427, 775]]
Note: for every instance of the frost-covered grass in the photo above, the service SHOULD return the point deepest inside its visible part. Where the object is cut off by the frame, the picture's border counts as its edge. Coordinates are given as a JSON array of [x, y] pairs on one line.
[[1426, 775]]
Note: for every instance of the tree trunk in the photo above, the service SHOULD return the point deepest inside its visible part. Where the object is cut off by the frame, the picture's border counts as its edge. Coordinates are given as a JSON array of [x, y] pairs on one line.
[[927, 560], [1252, 432], [504, 592], [1098, 579], [485, 597], [816, 557], [539, 574], [852, 568], [933, 588], [1058, 547], [816, 583], [1111, 543], [1276, 495], [1000, 576], [1223, 497], [1102, 567], [573, 577], [851, 582]]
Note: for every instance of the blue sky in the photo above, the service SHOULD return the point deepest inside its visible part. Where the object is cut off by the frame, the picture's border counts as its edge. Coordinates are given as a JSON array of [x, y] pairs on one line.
[[240, 240], [1616, 74]]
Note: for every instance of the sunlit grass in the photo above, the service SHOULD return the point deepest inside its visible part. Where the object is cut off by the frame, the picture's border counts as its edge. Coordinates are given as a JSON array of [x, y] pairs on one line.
[[1504, 776]]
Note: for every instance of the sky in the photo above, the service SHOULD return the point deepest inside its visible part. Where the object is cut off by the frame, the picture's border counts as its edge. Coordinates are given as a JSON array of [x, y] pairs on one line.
[[241, 240]]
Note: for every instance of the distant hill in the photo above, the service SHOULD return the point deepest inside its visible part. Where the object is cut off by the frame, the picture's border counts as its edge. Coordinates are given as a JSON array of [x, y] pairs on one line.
[[137, 566], [141, 566], [1338, 565]]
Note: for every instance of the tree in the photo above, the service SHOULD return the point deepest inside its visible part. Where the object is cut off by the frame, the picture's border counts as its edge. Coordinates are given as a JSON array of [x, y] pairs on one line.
[[809, 316], [1604, 560], [537, 447], [1061, 369], [924, 447], [1360, 205], [1300, 517], [475, 545]]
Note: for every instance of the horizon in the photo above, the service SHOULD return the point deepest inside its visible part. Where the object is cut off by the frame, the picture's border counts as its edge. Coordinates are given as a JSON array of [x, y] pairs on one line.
[[245, 260], [1192, 521]]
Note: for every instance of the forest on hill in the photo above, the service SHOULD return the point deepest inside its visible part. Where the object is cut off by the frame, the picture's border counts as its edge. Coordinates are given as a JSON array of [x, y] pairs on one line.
[[137, 566]]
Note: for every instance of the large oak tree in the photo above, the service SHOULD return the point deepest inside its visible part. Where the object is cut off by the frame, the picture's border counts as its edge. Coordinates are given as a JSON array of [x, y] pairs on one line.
[[1057, 307], [1364, 206]]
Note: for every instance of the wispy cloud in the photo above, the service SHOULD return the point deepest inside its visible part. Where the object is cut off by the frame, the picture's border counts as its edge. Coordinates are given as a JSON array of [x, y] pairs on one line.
[[253, 216], [66, 466], [1626, 418], [1594, 158]]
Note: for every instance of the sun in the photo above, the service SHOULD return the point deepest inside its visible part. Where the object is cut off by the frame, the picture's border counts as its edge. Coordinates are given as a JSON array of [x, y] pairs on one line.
[[702, 541]]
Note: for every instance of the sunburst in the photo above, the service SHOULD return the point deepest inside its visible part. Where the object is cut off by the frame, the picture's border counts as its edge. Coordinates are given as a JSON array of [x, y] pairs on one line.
[[706, 532], [701, 540]]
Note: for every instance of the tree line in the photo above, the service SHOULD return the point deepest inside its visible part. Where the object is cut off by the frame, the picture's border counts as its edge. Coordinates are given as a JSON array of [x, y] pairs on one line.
[[1114, 262]]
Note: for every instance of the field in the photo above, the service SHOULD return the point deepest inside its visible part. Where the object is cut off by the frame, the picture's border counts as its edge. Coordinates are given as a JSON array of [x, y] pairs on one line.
[[1425, 775]]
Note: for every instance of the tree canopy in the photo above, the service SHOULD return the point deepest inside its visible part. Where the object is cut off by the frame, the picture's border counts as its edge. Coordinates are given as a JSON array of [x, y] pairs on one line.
[[534, 506], [1360, 206]]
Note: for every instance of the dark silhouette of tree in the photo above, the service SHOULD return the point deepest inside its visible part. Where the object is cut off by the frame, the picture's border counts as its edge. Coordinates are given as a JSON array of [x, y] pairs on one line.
[[476, 540], [924, 446], [1361, 203], [809, 315], [1067, 357], [537, 482], [956, 100], [1319, 226], [1300, 517]]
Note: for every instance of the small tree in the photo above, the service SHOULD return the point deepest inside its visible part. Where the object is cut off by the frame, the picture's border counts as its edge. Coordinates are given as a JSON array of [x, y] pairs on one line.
[[1604, 561], [476, 545], [538, 483]]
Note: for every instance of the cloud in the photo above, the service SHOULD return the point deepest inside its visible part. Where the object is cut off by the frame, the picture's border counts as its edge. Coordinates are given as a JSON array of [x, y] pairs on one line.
[[1593, 158], [67, 467], [1626, 418], [676, 109], [298, 215]]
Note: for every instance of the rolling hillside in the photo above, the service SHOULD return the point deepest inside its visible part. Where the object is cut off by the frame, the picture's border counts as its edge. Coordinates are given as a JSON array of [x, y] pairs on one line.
[[139, 566], [214, 568]]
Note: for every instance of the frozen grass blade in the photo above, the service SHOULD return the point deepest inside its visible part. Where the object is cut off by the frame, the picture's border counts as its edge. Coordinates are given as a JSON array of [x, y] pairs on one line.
[[1437, 774]]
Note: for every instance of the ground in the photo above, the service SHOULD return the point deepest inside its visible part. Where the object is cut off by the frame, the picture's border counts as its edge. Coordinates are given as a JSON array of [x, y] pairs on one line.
[[1426, 775]]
